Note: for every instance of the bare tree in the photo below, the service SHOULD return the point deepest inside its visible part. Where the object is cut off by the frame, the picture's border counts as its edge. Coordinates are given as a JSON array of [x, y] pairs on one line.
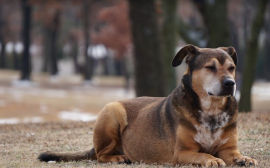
[[267, 48], [88, 66], [169, 32], [149, 73], [53, 44], [251, 58], [26, 29], [214, 14], [2, 41]]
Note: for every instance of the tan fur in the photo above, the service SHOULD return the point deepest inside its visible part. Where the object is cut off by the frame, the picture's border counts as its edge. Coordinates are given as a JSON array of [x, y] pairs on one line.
[[196, 124]]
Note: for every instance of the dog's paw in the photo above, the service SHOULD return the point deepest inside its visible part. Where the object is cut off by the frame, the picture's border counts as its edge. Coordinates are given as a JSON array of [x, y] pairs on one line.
[[216, 162], [245, 161], [122, 159]]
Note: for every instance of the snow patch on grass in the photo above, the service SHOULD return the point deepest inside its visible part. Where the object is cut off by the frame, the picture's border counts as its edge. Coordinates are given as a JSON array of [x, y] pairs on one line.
[[262, 92], [9, 120], [77, 116], [17, 120]]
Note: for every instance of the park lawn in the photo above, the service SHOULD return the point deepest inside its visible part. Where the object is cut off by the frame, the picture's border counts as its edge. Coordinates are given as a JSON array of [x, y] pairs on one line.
[[20, 144]]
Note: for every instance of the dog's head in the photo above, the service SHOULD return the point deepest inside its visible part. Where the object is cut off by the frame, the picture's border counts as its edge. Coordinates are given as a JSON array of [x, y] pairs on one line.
[[212, 71]]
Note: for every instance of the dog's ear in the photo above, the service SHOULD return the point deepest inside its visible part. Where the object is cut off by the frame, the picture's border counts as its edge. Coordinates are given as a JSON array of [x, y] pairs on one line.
[[232, 52], [187, 50]]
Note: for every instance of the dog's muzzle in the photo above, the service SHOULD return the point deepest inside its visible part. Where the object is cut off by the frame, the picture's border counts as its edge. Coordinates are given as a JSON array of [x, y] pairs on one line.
[[228, 87]]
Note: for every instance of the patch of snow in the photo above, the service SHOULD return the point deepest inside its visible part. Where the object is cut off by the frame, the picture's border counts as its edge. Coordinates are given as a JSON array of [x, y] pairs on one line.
[[32, 119], [23, 83], [262, 92], [77, 116], [9, 120], [17, 120]]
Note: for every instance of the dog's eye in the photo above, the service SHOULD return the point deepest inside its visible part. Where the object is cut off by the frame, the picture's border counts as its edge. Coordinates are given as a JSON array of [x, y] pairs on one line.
[[231, 68], [212, 68]]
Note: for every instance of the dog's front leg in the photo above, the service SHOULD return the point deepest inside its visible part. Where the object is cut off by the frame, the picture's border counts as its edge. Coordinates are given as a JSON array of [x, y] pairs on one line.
[[195, 158], [232, 156], [229, 151]]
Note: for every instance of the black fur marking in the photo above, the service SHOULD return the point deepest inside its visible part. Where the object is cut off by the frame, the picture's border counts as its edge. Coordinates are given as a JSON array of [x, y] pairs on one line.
[[47, 156], [184, 122], [231, 126], [169, 113], [213, 122], [191, 97], [157, 119], [221, 58]]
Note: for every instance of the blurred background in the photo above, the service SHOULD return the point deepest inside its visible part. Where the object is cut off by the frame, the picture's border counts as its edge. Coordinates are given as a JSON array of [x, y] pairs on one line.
[[65, 59]]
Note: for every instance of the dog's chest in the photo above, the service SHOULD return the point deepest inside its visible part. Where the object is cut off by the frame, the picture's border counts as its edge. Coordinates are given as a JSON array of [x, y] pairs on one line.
[[210, 130]]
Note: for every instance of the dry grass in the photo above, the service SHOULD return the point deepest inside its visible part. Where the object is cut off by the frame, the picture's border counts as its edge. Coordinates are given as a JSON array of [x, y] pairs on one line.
[[20, 144]]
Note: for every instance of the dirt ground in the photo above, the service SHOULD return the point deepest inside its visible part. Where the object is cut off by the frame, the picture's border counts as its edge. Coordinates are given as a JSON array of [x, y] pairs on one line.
[[20, 144]]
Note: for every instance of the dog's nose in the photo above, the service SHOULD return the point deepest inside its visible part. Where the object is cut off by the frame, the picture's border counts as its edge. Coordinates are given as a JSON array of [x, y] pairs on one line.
[[228, 83]]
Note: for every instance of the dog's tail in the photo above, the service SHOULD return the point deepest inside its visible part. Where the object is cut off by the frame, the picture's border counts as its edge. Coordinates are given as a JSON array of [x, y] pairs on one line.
[[77, 156]]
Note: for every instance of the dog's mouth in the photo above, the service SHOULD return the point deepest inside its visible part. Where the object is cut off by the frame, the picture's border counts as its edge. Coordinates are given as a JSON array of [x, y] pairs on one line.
[[212, 95]]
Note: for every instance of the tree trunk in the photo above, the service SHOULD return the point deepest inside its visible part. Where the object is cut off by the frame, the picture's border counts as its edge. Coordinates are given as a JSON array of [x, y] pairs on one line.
[[74, 52], [2, 53], [149, 73], [251, 58], [235, 43], [2, 41], [46, 50], [214, 14], [53, 68], [267, 50], [26, 59], [169, 32], [15, 58], [89, 63]]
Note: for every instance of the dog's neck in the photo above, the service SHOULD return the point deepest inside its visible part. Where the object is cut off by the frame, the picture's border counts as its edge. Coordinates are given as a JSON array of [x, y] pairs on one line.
[[211, 104]]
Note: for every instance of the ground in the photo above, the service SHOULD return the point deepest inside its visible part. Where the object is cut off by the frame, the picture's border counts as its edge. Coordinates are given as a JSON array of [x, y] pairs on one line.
[[58, 113], [20, 144]]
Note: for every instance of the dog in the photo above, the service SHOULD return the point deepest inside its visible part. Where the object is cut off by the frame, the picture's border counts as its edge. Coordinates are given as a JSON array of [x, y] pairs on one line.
[[196, 124]]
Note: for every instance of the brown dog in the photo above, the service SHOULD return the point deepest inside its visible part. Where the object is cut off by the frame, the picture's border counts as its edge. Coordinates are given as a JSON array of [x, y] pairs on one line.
[[196, 124]]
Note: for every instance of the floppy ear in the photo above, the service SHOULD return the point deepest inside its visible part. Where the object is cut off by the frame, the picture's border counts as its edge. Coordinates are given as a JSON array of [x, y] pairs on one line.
[[232, 52], [187, 50]]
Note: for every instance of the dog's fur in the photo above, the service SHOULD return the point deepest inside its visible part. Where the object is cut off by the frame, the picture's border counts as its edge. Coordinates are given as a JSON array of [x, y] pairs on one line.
[[196, 124]]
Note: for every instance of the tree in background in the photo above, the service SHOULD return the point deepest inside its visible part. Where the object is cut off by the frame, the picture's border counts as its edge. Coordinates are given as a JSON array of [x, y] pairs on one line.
[[169, 39], [267, 48], [263, 69], [114, 32], [2, 40], [26, 29], [89, 63], [149, 75], [54, 33], [251, 58], [50, 21], [114, 25], [214, 15]]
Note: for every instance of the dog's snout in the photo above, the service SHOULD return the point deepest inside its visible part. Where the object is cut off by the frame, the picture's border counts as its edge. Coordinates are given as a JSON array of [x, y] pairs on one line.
[[228, 83]]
